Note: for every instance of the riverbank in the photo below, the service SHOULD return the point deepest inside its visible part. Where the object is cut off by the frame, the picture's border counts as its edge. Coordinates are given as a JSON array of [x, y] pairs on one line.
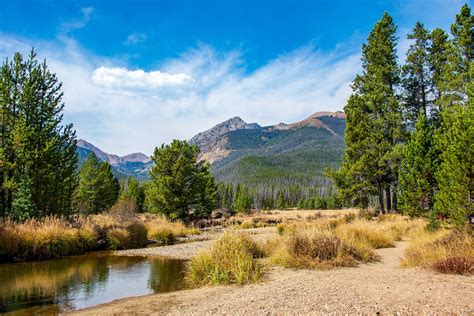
[[369, 288]]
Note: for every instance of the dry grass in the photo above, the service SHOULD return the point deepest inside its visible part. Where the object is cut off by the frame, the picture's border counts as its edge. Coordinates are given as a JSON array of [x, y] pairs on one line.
[[48, 238], [164, 231], [317, 248], [342, 241], [231, 259], [53, 237], [443, 251]]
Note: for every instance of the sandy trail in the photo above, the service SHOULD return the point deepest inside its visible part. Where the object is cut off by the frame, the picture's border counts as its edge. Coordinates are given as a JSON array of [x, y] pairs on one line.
[[381, 287]]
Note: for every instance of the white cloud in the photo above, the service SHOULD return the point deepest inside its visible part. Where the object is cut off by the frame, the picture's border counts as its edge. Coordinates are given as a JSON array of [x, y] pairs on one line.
[[135, 38], [121, 79], [122, 110]]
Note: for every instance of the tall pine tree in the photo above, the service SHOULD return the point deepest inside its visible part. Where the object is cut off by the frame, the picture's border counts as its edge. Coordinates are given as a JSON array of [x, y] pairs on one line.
[[37, 150], [374, 123], [454, 138]]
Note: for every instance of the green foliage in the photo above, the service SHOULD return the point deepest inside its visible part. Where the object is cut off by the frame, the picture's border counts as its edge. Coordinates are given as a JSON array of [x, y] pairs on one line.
[[37, 153], [243, 201], [417, 182], [179, 183], [132, 190], [22, 206], [98, 189], [417, 80], [455, 174]]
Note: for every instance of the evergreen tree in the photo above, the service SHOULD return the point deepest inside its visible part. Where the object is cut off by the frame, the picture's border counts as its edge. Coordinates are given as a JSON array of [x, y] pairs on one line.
[[179, 183], [281, 201], [374, 125], [453, 139], [207, 193], [243, 201], [34, 143], [108, 187], [417, 79], [98, 189], [132, 190], [417, 181]]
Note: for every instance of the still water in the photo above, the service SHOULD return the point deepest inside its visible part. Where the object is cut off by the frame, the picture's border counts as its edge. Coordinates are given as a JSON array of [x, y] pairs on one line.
[[56, 286]]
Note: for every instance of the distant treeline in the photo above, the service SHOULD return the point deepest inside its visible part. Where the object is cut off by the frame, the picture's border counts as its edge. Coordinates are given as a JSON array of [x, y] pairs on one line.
[[240, 197]]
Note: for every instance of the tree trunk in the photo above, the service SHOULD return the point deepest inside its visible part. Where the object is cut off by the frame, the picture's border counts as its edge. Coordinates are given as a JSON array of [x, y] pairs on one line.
[[387, 197], [381, 202], [394, 198]]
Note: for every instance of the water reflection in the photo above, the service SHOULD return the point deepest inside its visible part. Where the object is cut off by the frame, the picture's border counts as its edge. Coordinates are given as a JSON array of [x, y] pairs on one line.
[[51, 287]]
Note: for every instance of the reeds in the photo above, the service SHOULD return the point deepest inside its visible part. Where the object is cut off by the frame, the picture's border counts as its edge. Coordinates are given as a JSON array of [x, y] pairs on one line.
[[53, 237]]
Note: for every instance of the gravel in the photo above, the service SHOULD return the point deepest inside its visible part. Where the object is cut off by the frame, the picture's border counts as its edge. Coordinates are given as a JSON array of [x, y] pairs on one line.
[[380, 287]]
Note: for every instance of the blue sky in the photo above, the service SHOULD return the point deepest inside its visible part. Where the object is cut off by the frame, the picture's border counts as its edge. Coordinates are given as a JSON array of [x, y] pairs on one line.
[[140, 73]]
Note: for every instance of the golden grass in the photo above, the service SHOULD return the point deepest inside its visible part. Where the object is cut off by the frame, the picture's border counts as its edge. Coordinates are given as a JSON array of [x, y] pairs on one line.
[[444, 251], [53, 237], [231, 259], [164, 231]]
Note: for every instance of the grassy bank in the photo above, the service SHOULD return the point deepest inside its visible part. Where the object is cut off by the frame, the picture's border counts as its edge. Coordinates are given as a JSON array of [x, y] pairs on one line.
[[53, 237], [319, 243]]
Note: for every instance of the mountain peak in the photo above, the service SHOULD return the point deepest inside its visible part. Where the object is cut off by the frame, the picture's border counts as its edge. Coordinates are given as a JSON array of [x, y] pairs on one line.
[[111, 158], [210, 135]]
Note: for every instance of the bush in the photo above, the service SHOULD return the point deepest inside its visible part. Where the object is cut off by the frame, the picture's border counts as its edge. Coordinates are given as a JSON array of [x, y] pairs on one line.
[[231, 259], [280, 228], [455, 265], [443, 251], [118, 238], [125, 210], [318, 249]]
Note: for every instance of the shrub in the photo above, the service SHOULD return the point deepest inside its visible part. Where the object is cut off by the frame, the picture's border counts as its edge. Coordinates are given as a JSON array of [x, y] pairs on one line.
[[231, 259], [118, 238], [444, 251], [280, 228], [318, 249], [455, 265]]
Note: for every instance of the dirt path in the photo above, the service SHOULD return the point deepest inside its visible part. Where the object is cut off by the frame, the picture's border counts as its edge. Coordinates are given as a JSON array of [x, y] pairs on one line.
[[381, 287]]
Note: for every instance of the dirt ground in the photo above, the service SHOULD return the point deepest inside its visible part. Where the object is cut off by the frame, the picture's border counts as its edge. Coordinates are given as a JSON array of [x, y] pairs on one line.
[[381, 287]]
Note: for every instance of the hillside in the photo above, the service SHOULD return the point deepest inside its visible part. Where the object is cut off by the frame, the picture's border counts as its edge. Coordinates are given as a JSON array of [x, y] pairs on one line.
[[239, 152], [133, 165], [278, 154]]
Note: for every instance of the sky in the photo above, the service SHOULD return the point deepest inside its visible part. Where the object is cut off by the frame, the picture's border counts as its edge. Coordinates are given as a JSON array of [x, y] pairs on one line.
[[140, 73]]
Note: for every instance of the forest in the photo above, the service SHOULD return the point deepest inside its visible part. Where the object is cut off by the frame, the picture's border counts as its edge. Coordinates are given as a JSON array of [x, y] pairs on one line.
[[408, 144]]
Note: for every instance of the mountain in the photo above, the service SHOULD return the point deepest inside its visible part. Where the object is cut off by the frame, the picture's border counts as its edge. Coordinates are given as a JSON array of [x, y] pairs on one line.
[[295, 153], [133, 165], [240, 152]]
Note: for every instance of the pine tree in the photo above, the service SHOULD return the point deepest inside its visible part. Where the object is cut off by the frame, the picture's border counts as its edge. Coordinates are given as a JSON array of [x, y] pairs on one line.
[[98, 189], [281, 201], [374, 123], [34, 143], [108, 187], [454, 137], [417, 181], [133, 191], [243, 201], [87, 192], [179, 183], [417, 79]]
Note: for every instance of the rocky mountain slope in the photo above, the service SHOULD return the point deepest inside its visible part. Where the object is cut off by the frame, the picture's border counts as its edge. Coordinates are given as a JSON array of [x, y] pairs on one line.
[[132, 165], [282, 153]]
